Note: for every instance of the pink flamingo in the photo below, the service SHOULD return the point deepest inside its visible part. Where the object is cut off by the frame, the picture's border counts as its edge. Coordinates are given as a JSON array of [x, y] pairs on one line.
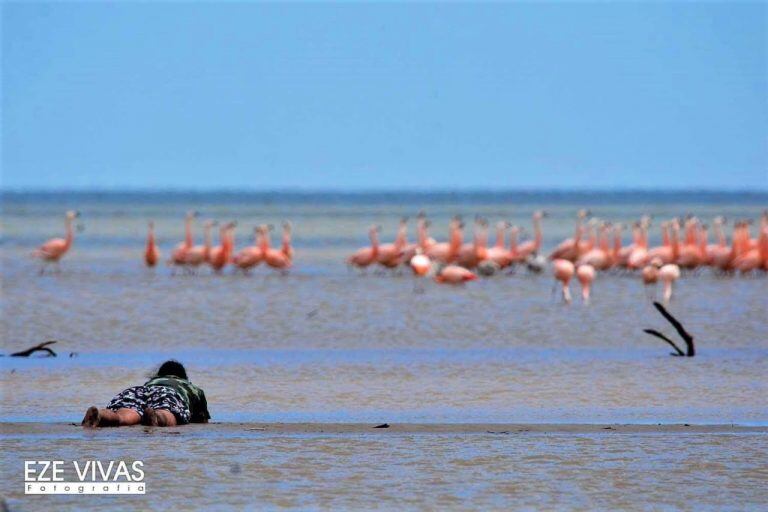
[[585, 274], [499, 254], [446, 252], [598, 257], [151, 253], [471, 254], [365, 256], [276, 258], [54, 249], [420, 263], [568, 249], [564, 270], [199, 254], [650, 276], [454, 274], [391, 255], [251, 256], [753, 257], [638, 255], [179, 253], [220, 255], [532, 247], [690, 254], [670, 249], [720, 250], [668, 274]]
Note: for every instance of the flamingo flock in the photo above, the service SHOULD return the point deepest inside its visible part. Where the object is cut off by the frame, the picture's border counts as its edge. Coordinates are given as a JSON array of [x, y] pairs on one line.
[[596, 246], [189, 257]]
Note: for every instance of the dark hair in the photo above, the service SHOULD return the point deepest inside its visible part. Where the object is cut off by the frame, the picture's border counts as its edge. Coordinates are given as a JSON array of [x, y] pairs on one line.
[[172, 368]]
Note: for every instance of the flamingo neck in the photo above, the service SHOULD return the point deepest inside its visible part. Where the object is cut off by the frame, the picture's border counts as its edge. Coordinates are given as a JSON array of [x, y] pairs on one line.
[[374, 243], [70, 234], [286, 242], [537, 237], [188, 232], [500, 237], [513, 241]]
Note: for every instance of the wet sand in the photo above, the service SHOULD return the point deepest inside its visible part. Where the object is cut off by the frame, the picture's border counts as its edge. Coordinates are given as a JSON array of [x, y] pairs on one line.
[[409, 466]]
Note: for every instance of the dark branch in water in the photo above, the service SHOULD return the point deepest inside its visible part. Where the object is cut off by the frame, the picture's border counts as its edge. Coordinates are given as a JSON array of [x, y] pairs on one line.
[[42, 347], [659, 335], [679, 328], [687, 338]]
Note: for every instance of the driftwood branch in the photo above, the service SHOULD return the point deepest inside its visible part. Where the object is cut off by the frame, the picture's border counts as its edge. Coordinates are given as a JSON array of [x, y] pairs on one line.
[[691, 351], [42, 347], [660, 335], [687, 338]]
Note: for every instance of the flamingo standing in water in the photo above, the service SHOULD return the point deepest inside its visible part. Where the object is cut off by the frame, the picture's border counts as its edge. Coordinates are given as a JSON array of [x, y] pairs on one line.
[[251, 256], [564, 270], [151, 253], [391, 255], [471, 254], [598, 257], [650, 272], [454, 274], [638, 255], [277, 258], [179, 253], [220, 255], [670, 248], [753, 257], [54, 249], [420, 263], [199, 254], [365, 256], [585, 273], [569, 249], [532, 247], [446, 252], [499, 254], [668, 274]]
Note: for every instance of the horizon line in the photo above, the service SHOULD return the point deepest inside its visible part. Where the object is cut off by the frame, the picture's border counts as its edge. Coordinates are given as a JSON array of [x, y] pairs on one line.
[[373, 190]]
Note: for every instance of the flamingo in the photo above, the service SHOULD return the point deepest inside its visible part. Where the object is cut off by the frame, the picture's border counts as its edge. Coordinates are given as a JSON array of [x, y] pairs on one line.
[[391, 255], [471, 254], [564, 270], [754, 256], [420, 263], [179, 253], [719, 250], [275, 258], [668, 274], [569, 249], [532, 247], [454, 274], [287, 248], [251, 256], [446, 252], [638, 255], [690, 254], [199, 254], [498, 253], [220, 255], [669, 250], [585, 274], [54, 249], [151, 253], [365, 256], [598, 257]]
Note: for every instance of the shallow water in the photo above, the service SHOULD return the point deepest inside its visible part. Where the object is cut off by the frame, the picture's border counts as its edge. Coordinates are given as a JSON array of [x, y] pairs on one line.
[[218, 467], [325, 344]]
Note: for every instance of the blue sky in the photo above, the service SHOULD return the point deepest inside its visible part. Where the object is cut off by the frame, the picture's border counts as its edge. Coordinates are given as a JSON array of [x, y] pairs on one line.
[[395, 96]]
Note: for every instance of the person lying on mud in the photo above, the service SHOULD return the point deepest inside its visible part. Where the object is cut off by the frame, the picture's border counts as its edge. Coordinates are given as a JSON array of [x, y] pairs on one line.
[[166, 400]]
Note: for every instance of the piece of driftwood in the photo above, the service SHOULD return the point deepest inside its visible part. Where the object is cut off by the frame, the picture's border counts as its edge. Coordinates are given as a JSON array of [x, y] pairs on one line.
[[42, 347], [687, 338]]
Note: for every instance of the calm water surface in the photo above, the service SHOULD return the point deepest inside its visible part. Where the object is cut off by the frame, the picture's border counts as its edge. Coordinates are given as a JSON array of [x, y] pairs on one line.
[[324, 345]]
